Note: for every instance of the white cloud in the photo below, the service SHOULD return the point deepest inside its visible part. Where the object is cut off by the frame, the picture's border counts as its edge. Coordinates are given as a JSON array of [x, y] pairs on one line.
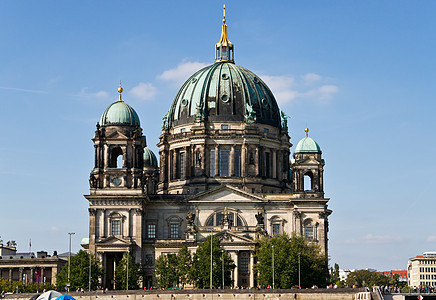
[[431, 238], [308, 86], [85, 94], [375, 239], [144, 91], [180, 73], [311, 77], [23, 90], [54, 228]]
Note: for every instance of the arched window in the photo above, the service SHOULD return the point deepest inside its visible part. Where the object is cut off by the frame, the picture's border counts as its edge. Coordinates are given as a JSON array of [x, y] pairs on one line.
[[309, 232], [116, 158], [276, 225], [308, 181], [217, 218]]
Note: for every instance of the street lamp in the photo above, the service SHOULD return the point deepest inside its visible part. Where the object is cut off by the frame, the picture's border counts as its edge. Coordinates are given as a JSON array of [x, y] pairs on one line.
[[299, 270], [211, 260], [273, 266], [69, 261], [127, 270], [223, 267]]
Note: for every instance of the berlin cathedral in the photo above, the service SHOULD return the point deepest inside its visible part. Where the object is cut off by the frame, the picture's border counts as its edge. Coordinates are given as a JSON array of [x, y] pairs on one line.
[[225, 168]]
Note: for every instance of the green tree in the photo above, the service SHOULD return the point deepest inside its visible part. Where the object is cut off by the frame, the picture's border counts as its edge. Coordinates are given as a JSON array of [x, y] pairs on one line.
[[79, 272], [184, 265], [334, 275], [135, 273], [166, 271], [361, 278], [200, 270], [287, 253]]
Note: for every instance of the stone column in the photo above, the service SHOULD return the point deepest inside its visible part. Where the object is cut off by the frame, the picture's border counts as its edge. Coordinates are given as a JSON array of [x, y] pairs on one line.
[[95, 156], [274, 163], [106, 156], [217, 160], [236, 269], [232, 160], [187, 162], [41, 279], [54, 271], [279, 165], [105, 224], [10, 274], [243, 160], [20, 273], [251, 269], [32, 272], [256, 160], [92, 229]]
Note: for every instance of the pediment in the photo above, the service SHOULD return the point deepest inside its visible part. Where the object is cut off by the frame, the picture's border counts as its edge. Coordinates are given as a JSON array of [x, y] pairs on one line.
[[310, 161], [226, 194], [114, 241], [116, 135], [228, 236]]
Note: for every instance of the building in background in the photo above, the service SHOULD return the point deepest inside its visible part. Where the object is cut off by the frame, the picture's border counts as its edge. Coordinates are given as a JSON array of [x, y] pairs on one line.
[[224, 168], [28, 267], [422, 270]]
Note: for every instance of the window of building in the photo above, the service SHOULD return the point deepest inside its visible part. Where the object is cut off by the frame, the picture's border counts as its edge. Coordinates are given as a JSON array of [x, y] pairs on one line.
[[183, 130], [267, 164], [217, 218], [182, 165], [275, 229], [225, 127], [237, 161], [243, 264], [151, 231], [224, 163], [266, 130], [308, 181], [174, 231], [116, 227], [308, 232], [116, 158], [212, 163]]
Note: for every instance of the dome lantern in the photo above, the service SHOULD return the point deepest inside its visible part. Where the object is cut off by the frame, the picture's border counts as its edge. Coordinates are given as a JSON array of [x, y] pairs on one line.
[[224, 48]]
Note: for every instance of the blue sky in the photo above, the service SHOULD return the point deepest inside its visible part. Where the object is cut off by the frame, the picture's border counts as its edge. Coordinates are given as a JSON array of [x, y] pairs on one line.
[[359, 74]]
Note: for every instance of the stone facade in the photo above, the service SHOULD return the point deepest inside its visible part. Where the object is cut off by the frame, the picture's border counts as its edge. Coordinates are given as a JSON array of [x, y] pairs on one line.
[[225, 169]]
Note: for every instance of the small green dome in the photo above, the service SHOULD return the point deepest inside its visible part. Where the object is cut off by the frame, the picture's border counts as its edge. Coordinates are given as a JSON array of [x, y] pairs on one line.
[[307, 145], [150, 159], [119, 113]]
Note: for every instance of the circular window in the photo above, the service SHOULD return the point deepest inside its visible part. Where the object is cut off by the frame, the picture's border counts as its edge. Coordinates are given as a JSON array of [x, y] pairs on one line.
[[264, 102], [194, 79], [116, 181], [225, 98], [255, 80], [225, 76], [185, 102]]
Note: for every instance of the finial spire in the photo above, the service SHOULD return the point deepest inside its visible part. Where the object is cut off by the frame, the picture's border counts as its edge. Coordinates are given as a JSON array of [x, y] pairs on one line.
[[307, 131], [120, 90], [224, 14], [224, 48]]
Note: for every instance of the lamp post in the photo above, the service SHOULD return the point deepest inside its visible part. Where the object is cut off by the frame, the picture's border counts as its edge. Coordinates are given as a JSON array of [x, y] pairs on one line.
[[223, 268], [69, 261], [211, 259], [127, 270], [299, 270], [90, 264], [273, 266]]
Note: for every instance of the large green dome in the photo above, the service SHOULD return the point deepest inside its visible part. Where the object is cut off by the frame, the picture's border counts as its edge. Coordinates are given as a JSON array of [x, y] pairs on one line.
[[221, 92], [119, 113], [307, 145]]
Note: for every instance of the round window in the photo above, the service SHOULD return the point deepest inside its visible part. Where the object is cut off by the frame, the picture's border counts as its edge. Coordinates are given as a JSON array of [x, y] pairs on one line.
[[185, 102], [225, 98]]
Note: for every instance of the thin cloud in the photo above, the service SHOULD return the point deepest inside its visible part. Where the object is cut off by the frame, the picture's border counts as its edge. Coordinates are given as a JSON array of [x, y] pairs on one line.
[[310, 86], [431, 239], [375, 239], [180, 73], [144, 91], [99, 95], [23, 90]]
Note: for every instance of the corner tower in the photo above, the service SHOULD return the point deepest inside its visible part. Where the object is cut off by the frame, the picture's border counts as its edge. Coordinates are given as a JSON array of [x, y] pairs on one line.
[[224, 127]]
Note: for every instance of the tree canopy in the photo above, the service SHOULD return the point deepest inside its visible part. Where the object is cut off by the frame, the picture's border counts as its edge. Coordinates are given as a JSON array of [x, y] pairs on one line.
[[79, 272], [288, 252], [134, 270]]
